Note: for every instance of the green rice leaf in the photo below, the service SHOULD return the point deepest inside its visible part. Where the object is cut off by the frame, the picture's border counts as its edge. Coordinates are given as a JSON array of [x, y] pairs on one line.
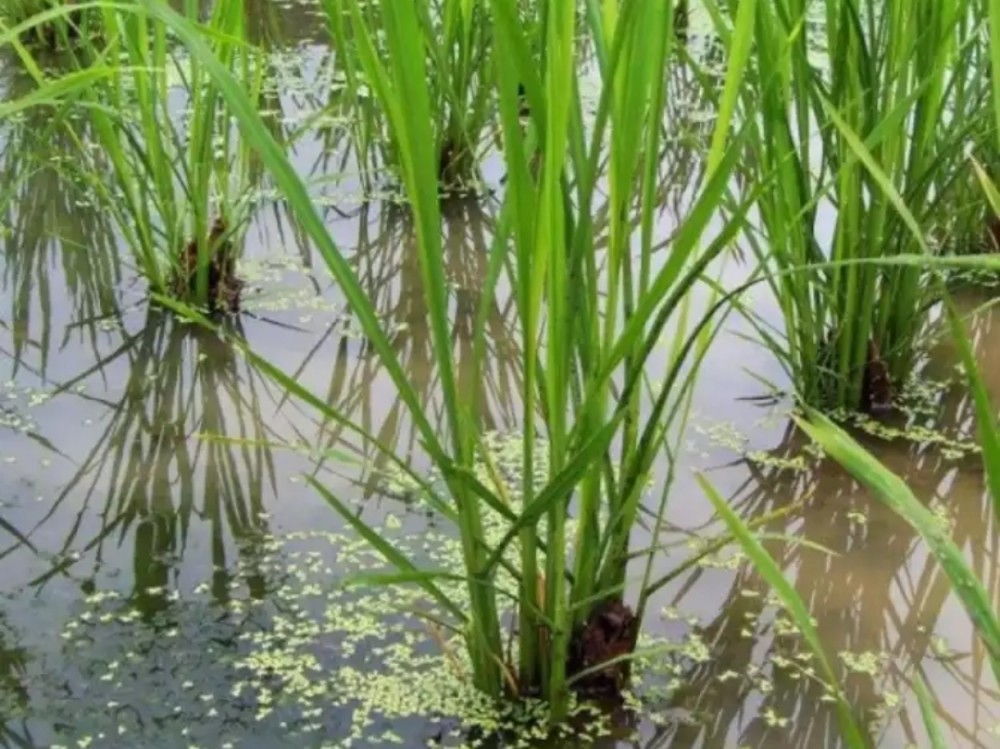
[[387, 550], [794, 605], [927, 714], [892, 491]]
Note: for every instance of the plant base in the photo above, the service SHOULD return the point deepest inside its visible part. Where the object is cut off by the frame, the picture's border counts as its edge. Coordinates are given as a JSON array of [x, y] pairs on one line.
[[456, 171], [224, 286], [876, 387], [609, 633], [876, 382]]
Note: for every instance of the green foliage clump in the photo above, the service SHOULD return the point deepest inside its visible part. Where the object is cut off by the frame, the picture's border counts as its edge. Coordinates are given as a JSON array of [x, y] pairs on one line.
[[51, 24], [170, 170], [853, 149]]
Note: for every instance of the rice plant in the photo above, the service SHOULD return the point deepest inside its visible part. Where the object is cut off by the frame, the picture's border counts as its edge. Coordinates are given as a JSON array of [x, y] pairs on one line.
[[179, 182], [33, 111], [895, 493], [906, 81], [387, 264], [458, 38], [587, 336]]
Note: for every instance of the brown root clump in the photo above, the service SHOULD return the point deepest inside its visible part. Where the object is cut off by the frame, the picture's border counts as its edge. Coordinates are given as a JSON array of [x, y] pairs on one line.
[[876, 385], [224, 286], [876, 382], [609, 633], [455, 169]]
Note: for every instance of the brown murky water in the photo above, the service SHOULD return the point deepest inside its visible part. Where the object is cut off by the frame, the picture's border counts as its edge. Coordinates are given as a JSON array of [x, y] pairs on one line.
[[143, 457]]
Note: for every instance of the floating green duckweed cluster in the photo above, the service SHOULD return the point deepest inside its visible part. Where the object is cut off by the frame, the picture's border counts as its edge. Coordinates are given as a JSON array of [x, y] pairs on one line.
[[294, 648], [919, 406], [320, 660], [15, 402], [723, 434], [504, 453], [950, 447], [320, 656], [868, 662]]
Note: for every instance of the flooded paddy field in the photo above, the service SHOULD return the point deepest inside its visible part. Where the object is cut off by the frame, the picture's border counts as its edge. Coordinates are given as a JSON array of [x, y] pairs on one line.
[[172, 576]]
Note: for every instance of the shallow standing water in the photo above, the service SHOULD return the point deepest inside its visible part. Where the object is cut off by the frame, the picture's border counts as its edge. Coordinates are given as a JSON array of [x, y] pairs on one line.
[[165, 561]]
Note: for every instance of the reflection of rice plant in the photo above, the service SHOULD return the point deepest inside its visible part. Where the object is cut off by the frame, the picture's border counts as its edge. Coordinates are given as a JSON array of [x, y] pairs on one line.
[[187, 441], [55, 235], [877, 602], [13, 687], [968, 584], [387, 265], [181, 175]]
